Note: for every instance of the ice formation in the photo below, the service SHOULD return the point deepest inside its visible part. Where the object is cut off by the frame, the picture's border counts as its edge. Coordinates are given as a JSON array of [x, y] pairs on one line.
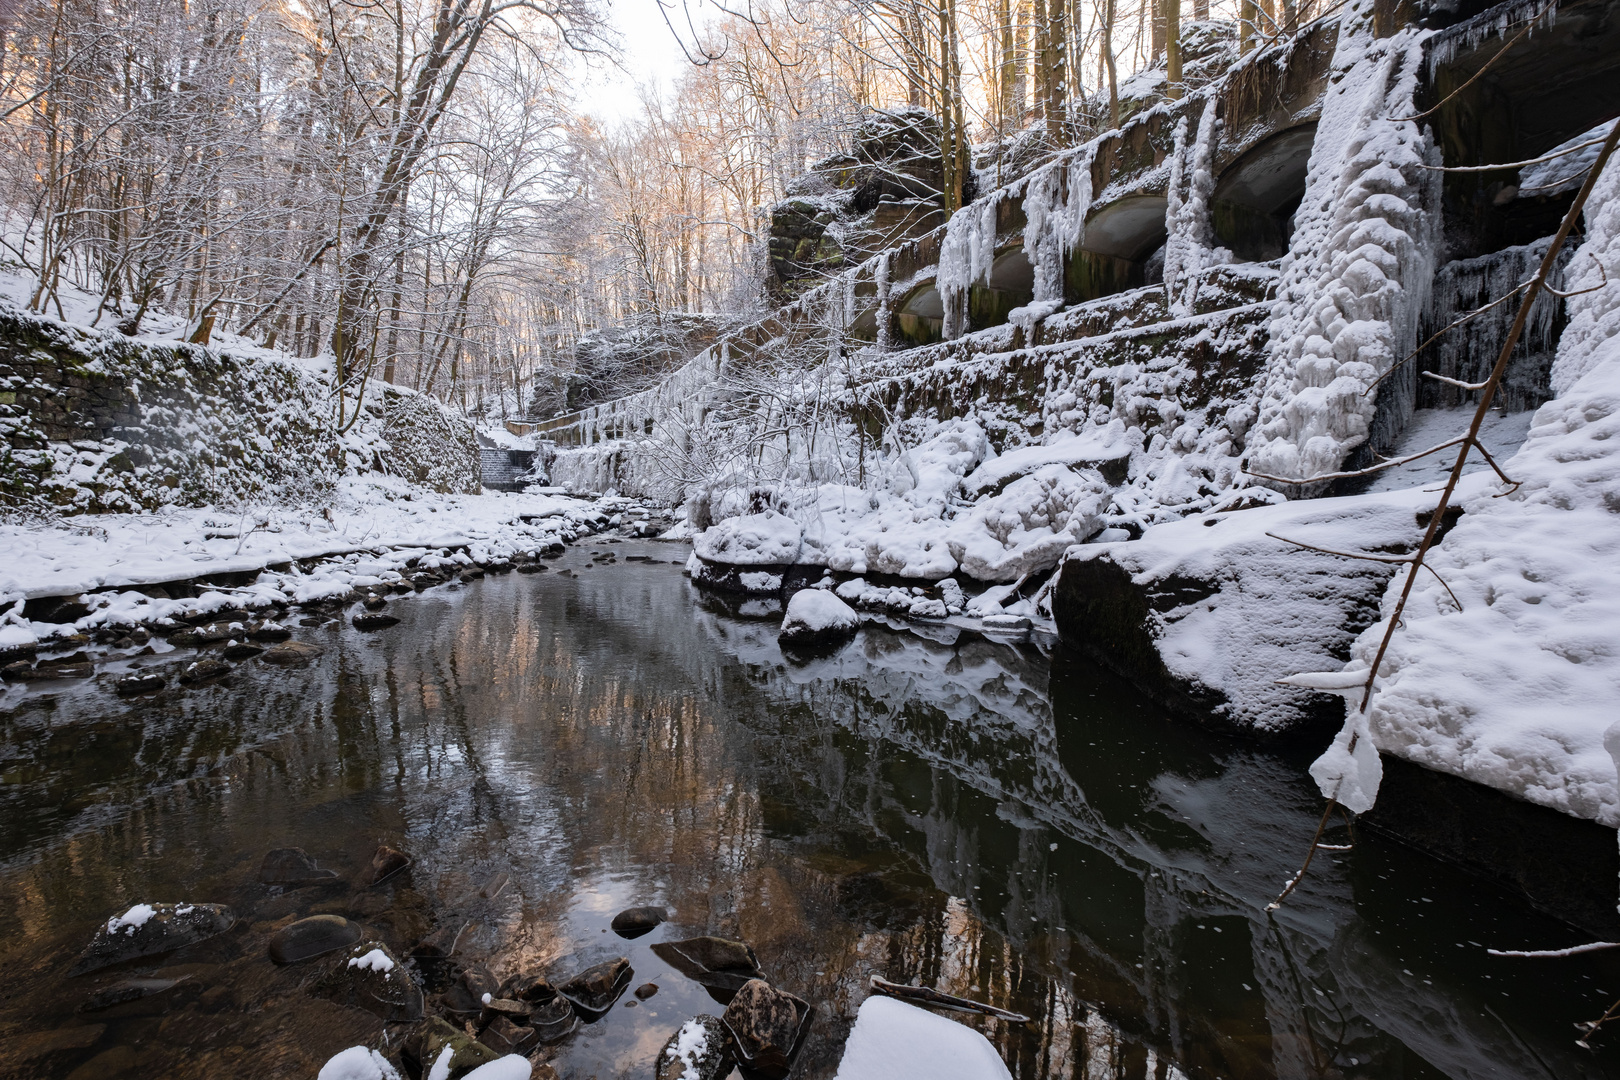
[[1188, 245], [1537, 571], [1359, 264]]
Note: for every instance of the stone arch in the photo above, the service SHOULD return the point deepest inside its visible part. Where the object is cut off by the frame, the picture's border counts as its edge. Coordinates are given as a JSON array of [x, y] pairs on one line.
[[1252, 207]]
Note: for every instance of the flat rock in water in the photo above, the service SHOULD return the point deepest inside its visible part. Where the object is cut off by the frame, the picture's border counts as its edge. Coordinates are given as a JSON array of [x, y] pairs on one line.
[[533, 989], [594, 990], [385, 863], [122, 993], [270, 631], [374, 620], [895, 1041], [701, 955], [427, 1047], [633, 922], [150, 929], [242, 650], [817, 617], [291, 653], [699, 1050], [201, 670], [312, 937], [290, 866], [140, 684], [764, 1026], [368, 976], [508, 1037]]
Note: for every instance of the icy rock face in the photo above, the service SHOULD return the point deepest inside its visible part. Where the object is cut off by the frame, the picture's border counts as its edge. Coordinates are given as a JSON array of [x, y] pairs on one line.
[[1358, 267], [1537, 573], [814, 616]]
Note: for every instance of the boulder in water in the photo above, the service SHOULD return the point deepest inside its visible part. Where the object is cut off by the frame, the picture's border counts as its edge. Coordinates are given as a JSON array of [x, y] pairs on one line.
[[374, 620], [505, 1036], [633, 922], [140, 683], [699, 1050], [765, 1026], [719, 965], [150, 929], [202, 670], [385, 863], [817, 617], [645, 991], [895, 1041], [369, 977], [553, 1019], [435, 1045], [242, 650], [593, 991], [531, 989], [312, 937]]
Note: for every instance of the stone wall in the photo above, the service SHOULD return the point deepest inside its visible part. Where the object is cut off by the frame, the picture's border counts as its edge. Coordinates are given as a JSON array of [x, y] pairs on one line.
[[96, 422]]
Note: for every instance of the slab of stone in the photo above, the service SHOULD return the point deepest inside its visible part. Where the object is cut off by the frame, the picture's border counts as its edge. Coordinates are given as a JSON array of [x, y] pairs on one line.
[[593, 991], [312, 937], [292, 653], [636, 921], [368, 976], [151, 929]]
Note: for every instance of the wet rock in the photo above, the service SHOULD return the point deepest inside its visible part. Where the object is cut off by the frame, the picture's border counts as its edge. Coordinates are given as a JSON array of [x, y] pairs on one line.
[[472, 573], [764, 1024], [270, 631], [515, 1011], [62, 669], [633, 922], [127, 990], [435, 1043], [533, 989], [312, 937], [593, 991], [385, 863], [18, 670], [531, 568], [425, 580], [646, 990], [507, 1037], [291, 867], [464, 999], [441, 944], [242, 650], [374, 620], [140, 683], [699, 1050], [150, 929], [291, 653], [718, 964], [369, 977], [193, 637], [202, 670], [554, 1020], [375, 602]]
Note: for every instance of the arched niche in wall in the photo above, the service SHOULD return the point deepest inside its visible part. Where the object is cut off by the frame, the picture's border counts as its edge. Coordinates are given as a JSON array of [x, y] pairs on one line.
[[919, 319], [1252, 207], [1010, 284], [1119, 238]]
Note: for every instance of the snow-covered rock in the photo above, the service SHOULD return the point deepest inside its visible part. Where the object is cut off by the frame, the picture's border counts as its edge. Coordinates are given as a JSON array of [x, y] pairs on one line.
[[1027, 528], [358, 1063], [895, 1041], [815, 616], [764, 539]]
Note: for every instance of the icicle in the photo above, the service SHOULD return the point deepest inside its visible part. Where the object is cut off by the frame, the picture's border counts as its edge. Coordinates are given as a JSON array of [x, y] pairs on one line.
[[1055, 218], [883, 314], [1444, 46], [1189, 239], [964, 260], [1174, 257]]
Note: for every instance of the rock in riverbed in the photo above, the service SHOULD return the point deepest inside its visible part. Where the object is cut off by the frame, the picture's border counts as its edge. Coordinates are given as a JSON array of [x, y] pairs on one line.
[[202, 670], [435, 1044], [385, 863], [374, 620], [242, 650], [291, 653], [312, 937], [764, 1024], [150, 929], [633, 922], [369, 977], [139, 683], [594, 990], [291, 867], [817, 617], [699, 1050]]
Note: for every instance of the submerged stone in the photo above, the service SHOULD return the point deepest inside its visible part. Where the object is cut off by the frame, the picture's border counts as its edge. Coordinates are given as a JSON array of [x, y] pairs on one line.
[[369, 977], [312, 937], [292, 866], [202, 670], [554, 1019], [140, 683], [374, 620], [150, 929], [438, 1049], [385, 863], [291, 653], [242, 650], [122, 993]]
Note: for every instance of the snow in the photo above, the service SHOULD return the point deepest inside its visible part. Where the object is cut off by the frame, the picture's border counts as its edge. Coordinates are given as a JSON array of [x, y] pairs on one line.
[[441, 1065], [813, 611], [763, 539], [358, 1063], [510, 1067], [1566, 171], [1470, 691], [1028, 527], [1091, 447], [1355, 277], [895, 1041], [691, 1043], [1189, 245], [376, 960], [131, 920], [378, 523]]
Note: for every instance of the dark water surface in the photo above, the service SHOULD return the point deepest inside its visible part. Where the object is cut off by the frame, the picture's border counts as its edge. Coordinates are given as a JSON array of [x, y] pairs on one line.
[[976, 816]]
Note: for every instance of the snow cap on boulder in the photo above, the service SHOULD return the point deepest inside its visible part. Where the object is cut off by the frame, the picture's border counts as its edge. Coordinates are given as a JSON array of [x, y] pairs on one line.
[[815, 616]]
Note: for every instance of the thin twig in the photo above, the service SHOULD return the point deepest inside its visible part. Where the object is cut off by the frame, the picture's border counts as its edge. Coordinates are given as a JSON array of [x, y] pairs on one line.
[[1294, 881], [1368, 471], [1346, 554], [1454, 382], [1512, 164], [1512, 42], [1543, 954]]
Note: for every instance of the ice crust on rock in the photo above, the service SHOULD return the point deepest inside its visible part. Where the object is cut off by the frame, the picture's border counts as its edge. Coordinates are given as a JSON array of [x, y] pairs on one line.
[[358, 1063], [895, 1041], [1472, 691]]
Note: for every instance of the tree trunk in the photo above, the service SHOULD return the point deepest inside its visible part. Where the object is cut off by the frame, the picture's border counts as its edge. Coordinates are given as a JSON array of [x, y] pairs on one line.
[[1172, 47]]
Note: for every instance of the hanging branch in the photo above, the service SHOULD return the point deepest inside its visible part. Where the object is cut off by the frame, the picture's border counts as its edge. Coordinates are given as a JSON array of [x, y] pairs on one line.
[[1471, 440]]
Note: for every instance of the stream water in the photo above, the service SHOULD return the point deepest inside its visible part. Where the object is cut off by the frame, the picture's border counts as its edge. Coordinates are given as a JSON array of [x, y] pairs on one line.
[[979, 816]]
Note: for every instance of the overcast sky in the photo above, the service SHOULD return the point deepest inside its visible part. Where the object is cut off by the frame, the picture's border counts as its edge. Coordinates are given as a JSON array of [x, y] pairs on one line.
[[650, 55]]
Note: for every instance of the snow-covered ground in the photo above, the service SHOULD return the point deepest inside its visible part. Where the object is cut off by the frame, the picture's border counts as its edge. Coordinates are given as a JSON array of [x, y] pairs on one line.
[[378, 526]]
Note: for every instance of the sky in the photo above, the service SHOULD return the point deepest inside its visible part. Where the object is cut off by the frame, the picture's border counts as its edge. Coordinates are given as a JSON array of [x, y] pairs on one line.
[[650, 56]]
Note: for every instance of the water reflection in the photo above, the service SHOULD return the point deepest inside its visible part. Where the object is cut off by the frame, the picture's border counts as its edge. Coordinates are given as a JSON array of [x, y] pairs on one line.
[[973, 815]]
